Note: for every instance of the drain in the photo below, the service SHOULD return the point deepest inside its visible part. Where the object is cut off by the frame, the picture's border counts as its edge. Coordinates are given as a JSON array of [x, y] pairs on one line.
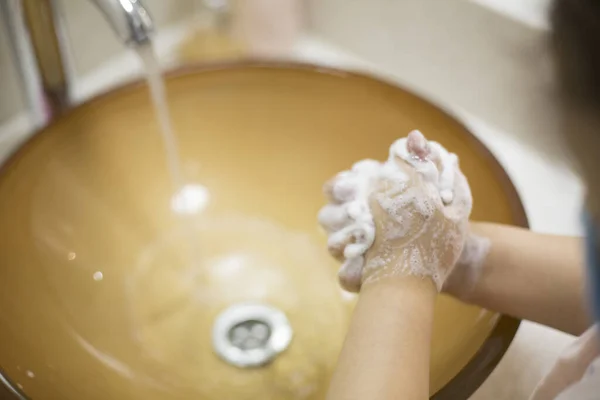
[[250, 335]]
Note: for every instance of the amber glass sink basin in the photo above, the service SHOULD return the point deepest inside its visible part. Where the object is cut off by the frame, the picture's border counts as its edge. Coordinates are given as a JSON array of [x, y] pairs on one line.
[[108, 290]]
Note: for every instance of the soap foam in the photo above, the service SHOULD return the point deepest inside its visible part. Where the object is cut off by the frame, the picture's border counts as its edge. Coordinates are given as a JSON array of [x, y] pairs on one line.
[[349, 220]]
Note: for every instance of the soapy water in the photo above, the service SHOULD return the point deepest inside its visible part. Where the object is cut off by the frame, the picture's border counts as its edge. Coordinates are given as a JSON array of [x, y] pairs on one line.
[[350, 223], [171, 306], [179, 276], [188, 199]]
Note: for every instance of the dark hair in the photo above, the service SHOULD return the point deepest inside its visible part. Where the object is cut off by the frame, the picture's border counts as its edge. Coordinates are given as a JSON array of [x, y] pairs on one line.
[[576, 42]]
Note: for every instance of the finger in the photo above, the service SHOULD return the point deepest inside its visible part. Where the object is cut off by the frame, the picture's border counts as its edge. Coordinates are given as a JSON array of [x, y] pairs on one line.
[[447, 165], [350, 274], [350, 242], [416, 153], [328, 191], [362, 239], [435, 154], [341, 188], [462, 202], [334, 217], [446, 183], [338, 241], [417, 145]]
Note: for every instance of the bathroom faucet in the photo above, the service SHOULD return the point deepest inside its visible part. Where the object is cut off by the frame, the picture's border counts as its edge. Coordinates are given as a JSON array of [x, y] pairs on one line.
[[129, 19], [37, 37]]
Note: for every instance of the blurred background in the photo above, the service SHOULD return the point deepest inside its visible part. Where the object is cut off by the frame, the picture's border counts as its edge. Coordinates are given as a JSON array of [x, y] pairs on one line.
[[485, 56]]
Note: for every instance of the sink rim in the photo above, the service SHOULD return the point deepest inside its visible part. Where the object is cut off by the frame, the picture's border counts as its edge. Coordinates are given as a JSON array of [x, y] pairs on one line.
[[485, 360]]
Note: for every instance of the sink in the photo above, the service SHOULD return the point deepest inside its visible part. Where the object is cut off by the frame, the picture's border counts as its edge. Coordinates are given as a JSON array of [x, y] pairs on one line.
[[110, 289]]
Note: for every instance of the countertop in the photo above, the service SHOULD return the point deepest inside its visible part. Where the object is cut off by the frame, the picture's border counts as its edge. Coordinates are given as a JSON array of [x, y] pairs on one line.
[[550, 191]]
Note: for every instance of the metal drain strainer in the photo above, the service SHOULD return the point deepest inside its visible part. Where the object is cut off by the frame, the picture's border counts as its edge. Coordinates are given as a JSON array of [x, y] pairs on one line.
[[251, 334]]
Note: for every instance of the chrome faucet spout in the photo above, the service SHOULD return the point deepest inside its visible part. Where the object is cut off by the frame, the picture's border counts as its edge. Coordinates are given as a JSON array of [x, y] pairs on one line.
[[129, 19]]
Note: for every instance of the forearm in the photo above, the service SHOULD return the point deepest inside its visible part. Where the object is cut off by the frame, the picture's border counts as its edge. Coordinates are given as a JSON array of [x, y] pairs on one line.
[[532, 276], [386, 352]]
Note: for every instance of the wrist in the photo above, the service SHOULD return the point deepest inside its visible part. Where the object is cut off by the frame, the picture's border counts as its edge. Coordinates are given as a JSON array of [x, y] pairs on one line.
[[416, 262], [461, 282], [401, 285], [466, 274], [411, 298]]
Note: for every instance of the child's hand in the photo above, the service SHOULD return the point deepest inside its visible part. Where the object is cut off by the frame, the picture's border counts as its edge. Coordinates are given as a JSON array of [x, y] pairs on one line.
[[419, 203]]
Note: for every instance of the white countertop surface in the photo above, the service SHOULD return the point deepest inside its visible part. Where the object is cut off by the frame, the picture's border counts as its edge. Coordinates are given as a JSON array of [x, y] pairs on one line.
[[551, 193], [530, 12]]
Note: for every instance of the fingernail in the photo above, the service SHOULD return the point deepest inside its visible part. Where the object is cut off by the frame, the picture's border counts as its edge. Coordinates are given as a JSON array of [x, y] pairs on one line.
[[417, 145]]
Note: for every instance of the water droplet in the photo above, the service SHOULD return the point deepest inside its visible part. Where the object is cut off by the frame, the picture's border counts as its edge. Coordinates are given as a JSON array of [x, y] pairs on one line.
[[98, 276], [30, 374], [71, 256]]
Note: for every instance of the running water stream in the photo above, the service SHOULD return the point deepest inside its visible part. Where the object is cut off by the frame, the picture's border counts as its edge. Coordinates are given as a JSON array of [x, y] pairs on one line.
[[156, 84]]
